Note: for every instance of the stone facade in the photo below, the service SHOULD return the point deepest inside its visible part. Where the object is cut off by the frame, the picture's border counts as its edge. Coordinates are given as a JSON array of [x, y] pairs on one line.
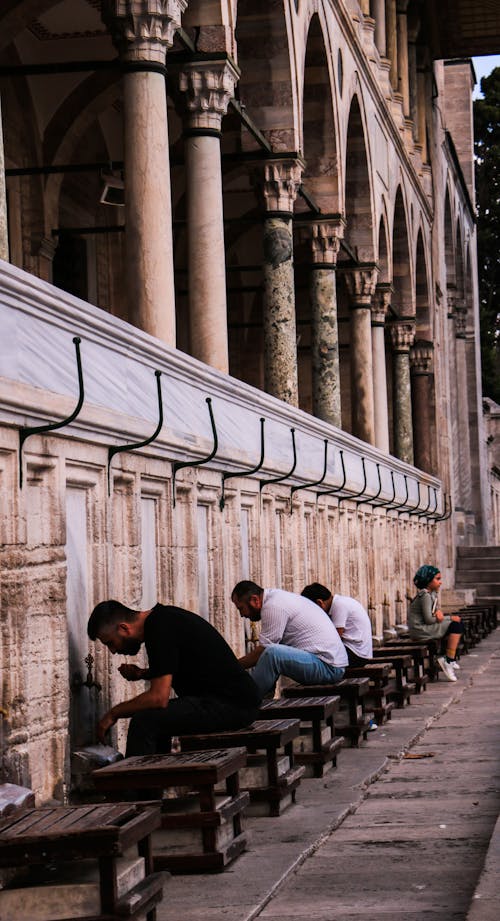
[[296, 214]]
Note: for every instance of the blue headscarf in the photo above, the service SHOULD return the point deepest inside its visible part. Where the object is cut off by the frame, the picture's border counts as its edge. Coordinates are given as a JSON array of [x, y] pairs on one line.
[[424, 575]]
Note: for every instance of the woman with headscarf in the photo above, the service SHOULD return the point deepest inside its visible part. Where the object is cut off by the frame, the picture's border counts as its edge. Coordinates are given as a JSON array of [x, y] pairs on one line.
[[426, 621]]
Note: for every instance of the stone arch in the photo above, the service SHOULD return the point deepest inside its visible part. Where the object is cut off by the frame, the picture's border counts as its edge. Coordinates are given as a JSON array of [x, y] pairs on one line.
[[359, 231], [403, 299], [449, 247], [422, 305], [383, 251], [16, 16], [459, 264], [319, 131]]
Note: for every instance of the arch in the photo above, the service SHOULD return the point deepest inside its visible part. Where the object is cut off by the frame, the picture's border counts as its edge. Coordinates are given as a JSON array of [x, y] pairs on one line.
[[449, 248], [383, 252], [358, 200], [459, 263], [422, 306], [403, 300], [319, 134]]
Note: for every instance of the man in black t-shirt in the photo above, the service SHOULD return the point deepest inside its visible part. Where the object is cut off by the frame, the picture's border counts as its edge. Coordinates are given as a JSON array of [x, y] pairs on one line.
[[184, 653]]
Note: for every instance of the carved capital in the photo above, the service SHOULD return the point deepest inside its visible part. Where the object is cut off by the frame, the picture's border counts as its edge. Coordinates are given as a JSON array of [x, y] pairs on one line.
[[421, 355], [278, 182], [361, 283], [208, 87], [460, 320], [323, 238], [402, 335], [142, 30], [451, 299], [381, 302]]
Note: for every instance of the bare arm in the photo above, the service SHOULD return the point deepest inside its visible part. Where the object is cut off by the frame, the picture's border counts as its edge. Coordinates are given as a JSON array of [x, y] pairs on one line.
[[340, 630], [155, 697], [252, 657]]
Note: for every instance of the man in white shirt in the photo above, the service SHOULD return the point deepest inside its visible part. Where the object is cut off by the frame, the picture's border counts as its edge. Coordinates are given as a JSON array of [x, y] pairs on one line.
[[350, 618], [296, 640]]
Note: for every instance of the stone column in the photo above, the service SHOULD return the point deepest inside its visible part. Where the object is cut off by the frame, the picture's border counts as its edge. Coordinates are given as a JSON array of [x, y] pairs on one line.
[[379, 16], [361, 283], [392, 41], [421, 112], [462, 409], [421, 354], [142, 31], [402, 42], [413, 29], [402, 334], [323, 237], [365, 7], [379, 307], [4, 227], [278, 182], [208, 87]]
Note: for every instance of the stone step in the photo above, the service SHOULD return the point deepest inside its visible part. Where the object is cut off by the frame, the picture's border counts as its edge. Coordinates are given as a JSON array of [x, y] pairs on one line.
[[477, 577], [488, 590], [479, 564], [482, 553]]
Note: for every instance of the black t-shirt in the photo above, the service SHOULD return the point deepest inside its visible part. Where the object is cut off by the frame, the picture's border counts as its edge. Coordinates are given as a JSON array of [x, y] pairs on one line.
[[184, 645]]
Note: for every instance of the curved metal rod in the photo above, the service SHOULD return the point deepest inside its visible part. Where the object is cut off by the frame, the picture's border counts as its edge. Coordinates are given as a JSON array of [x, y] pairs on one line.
[[413, 508], [295, 489], [424, 511], [447, 513], [405, 500], [192, 463], [388, 502], [118, 449], [285, 476], [229, 476], [361, 491], [379, 490], [430, 515], [25, 432], [331, 492]]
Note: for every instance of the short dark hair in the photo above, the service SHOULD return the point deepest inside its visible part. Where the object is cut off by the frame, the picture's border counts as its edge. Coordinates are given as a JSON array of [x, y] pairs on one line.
[[315, 590], [107, 614], [244, 590]]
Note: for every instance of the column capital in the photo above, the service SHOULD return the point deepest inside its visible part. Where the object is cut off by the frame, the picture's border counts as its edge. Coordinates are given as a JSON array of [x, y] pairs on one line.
[[323, 236], [460, 320], [451, 299], [421, 355], [403, 334], [361, 282], [381, 302], [278, 182], [143, 30], [208, 86]]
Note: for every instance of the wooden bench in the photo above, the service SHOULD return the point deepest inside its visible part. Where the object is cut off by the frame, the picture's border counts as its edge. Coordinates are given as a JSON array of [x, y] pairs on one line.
[[200, 828], [417, 675], [271, 776], [353, 718], [96, 834], [317, 746], [401, 687], [378, 674], [431, 650]]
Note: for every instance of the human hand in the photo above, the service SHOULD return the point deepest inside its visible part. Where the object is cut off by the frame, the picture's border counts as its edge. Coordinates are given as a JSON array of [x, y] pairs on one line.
[[456, 618], [439, 616], [131, 672], [104, 725]]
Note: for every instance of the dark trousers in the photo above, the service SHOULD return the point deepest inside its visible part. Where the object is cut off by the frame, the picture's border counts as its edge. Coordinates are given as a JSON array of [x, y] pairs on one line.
[[356, 661], [150, 731]]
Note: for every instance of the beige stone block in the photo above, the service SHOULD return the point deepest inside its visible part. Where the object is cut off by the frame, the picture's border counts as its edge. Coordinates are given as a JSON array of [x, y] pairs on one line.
[[171, 841], [304, 743]]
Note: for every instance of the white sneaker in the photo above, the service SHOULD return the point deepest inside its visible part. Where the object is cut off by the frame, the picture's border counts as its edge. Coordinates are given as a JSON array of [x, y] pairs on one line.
[[455, 665], [447, 668]]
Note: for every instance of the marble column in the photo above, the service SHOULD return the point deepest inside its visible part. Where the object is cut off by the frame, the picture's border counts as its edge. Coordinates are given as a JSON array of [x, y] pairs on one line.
[[142, 33], [402, 43], [402, 334], [323, 237], [4, 227], [462, 409], [277, 183], [208, 86], [379, 307], [421, 112], [421, 355], [392, 41], [413, 29], [360, 284], [379, 16]]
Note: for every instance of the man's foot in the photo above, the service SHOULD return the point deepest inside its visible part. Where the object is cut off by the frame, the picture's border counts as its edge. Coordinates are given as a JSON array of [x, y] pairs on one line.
[[447, 668]]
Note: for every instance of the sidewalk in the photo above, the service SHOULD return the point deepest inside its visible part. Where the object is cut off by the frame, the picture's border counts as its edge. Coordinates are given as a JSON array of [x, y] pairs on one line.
[[381, 836]]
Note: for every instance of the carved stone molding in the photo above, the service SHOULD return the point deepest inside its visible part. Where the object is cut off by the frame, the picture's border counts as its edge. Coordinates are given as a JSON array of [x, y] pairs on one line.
[[381, 302], [143, 30], [460, 320], [361, 283], [402, 335], [421, 355], [208, 87], [278, 182], [323, 238]]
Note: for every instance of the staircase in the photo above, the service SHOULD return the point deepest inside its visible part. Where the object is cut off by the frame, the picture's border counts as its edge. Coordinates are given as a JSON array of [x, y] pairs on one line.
[[479, 568]]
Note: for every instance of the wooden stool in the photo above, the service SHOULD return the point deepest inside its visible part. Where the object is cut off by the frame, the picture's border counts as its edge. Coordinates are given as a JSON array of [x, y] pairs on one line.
[[317, 746], [58, 834], [353, 718], [402, 686], [200, 828], [378, 674], [420, 655], [271, 777]]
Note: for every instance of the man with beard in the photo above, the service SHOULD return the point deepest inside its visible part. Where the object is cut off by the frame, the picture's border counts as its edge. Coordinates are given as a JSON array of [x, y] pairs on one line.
[[184, 653], [296, 638]]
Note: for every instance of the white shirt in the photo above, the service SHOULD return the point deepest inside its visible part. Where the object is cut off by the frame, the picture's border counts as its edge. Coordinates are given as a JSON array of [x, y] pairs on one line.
[[349, 614], [295, 621]]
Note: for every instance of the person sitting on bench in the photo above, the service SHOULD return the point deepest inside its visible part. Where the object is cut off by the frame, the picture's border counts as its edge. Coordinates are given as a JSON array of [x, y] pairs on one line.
[[350, 619], [184, 653], [426, 621], [296, 640]]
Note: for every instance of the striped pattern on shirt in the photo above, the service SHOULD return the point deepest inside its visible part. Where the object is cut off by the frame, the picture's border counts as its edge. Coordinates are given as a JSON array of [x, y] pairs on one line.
[[295, 621]]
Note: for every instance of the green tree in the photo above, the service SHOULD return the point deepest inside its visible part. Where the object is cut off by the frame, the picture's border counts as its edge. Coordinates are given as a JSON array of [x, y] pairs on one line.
[[487, 154]]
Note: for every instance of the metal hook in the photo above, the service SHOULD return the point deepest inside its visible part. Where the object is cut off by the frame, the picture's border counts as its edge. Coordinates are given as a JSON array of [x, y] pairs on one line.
[[294, 489], [25, 432], [377, 494], [426, 509], [430, 515], [363, 490], [405, 500], [413, 508], [331, 492], [388, 502], [228, 476], [192, 463], [118, 449], [447, 513], [285, 476]]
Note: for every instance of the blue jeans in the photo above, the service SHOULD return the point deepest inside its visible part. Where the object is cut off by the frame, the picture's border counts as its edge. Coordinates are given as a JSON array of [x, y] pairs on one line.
[[301, 666]]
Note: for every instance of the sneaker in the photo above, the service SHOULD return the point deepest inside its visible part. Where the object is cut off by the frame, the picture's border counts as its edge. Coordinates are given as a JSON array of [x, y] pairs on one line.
[[454, 664], [372, 726], [447, 668]]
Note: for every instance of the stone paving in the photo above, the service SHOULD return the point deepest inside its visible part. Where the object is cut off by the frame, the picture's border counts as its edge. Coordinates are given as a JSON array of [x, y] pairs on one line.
[[385, 836]]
